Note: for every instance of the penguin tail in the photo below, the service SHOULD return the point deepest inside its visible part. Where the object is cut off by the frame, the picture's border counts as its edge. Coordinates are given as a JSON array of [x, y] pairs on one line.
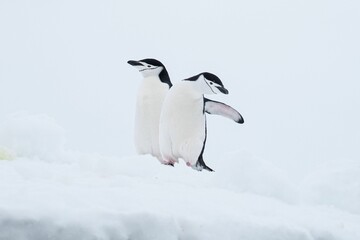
[[200, 165]]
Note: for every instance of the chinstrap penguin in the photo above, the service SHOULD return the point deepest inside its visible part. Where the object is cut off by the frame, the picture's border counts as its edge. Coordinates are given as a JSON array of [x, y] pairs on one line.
[[152, 91], [183, 121]]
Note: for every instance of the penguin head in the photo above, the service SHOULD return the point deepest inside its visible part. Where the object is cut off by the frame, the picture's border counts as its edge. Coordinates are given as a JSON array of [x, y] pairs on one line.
[[148, 67], [208, 83]]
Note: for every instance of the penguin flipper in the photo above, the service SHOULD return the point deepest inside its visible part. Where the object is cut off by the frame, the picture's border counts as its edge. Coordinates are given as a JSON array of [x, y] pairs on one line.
[[200, 165], [219, 108]]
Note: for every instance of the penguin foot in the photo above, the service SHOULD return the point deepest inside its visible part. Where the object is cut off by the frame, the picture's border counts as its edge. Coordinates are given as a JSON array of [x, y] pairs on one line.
[[169, 164], [200, 168], [169, 161], [200, 165]]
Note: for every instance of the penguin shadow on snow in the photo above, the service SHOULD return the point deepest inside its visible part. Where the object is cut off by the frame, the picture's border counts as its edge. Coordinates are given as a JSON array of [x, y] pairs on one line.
[[170, 120]]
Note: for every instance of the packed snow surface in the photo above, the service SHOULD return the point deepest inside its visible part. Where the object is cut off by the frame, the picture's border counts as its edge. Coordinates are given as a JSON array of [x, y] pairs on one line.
[[50, 192]]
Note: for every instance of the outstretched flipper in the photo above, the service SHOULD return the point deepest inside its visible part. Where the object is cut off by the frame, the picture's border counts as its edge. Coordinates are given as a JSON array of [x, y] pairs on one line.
[[200, 165], [219, 108]]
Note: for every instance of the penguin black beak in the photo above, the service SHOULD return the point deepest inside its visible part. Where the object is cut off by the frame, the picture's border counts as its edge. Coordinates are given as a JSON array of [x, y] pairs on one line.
[[223, 90], [134, 63]]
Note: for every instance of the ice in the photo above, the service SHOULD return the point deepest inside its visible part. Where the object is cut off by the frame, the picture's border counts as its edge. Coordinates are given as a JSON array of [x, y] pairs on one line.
[[72, 195], [244, 172], [336, 184], [31, 136], [5, 154]]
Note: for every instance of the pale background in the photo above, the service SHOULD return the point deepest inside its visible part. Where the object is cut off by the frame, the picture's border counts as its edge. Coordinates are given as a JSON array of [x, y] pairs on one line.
[[292, 69]]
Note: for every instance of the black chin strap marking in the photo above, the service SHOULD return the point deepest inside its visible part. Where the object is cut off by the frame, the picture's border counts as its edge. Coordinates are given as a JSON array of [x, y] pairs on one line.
[[209, 86], [148, 69]]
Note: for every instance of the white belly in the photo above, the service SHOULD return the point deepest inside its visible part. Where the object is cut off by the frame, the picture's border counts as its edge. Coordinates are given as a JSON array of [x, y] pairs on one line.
[[182, 124], [150, 98]]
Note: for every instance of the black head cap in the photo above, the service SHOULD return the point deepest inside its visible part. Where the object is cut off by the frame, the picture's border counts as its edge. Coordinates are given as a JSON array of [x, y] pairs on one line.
[[153, 62], [207, 75]]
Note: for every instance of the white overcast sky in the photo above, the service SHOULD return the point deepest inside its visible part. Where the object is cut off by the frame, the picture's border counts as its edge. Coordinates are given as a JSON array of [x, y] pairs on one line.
[[292, 69]]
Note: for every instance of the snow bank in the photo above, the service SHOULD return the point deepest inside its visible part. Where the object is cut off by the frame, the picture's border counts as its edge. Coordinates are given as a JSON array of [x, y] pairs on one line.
[[335, 184], [49, 192], [32, 136], [5, 154], [148, 226], [42, 200], [243, 172]]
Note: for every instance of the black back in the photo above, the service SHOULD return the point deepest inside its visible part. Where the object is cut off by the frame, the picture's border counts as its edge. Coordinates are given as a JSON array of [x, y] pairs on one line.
[[164, 75], [200, 164]]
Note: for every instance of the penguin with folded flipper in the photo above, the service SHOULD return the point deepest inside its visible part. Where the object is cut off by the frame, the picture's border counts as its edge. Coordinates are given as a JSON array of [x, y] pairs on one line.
[[150, 97]]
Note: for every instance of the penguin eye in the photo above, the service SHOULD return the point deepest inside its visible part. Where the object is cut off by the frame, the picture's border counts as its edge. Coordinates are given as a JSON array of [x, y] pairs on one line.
[[149, 66], [211, 83]]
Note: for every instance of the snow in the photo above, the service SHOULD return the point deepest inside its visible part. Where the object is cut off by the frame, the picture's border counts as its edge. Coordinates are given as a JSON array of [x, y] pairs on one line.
[[51, 192]]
